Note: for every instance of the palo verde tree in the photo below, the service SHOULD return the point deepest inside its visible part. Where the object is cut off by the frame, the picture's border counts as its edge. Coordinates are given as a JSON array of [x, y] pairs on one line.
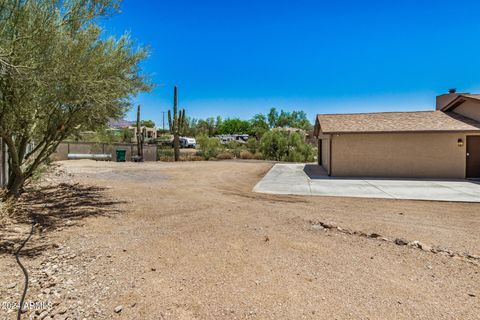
[[59, 76], [176, 124]]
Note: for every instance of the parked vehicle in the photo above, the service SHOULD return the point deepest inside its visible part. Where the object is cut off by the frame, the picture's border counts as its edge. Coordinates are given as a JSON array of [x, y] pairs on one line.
[[226, 138], [186, 142]]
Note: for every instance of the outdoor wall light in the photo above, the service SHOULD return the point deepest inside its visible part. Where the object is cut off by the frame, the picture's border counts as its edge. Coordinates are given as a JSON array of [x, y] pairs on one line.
[[460, 142]]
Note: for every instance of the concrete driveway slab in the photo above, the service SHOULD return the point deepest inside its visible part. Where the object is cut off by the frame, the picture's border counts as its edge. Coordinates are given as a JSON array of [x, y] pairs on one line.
[[301, 179]]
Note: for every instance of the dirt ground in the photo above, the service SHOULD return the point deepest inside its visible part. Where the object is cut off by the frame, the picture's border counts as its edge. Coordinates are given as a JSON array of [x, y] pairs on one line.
[[191, 240]]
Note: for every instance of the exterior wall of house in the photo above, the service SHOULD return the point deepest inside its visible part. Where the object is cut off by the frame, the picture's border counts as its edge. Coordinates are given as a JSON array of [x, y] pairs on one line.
[[326, 154], [444, 99], [413, 155], [325, 161], [470, 109]]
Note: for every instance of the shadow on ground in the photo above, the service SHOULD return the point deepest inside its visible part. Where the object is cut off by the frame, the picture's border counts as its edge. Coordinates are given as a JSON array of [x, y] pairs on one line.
[[55, 207], [314, 171]]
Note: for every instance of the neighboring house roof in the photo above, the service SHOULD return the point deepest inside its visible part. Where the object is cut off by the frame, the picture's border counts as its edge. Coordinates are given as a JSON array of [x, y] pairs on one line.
[[459, 99], [119, 123], [385, 122]]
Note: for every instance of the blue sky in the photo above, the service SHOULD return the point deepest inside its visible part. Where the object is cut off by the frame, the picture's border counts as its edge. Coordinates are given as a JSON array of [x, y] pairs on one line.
[[237, 58]]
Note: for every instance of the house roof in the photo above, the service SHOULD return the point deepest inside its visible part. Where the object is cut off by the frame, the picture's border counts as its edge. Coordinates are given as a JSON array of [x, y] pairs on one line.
[[385, 122], [459, 99]]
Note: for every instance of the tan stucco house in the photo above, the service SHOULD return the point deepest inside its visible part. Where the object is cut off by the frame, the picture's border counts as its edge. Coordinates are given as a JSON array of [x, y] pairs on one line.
[[444, 143]]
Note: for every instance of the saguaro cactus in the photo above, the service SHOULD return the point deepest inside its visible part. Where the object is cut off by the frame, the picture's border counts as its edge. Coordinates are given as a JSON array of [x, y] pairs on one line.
[[176, 124]]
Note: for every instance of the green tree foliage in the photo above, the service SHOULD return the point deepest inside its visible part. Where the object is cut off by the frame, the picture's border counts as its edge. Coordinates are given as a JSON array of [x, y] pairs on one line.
[[59, 75], [234, 126], [273, 118], [147, 123], [284, 119], [259, 125], [280, 145], [126, 135], [256, 126], [196, 127], [207, 126]]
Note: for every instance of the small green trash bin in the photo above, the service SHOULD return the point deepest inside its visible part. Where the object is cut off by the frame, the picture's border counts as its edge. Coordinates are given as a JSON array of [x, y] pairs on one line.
[[121, 155]]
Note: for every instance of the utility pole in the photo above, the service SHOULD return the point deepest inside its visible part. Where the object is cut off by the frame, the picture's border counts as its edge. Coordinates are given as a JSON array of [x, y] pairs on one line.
[[139, 137]]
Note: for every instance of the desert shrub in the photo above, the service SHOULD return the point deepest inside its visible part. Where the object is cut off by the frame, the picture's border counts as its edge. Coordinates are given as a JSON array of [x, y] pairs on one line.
[[225, 155], [165, 154], [196, 158], [274, 145], [258, 156], [282, 145], [245, 154], [210, 147], [235, 147], [252, 145]]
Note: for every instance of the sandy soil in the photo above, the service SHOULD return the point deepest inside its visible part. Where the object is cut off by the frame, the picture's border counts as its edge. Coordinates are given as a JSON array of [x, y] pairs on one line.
[[191, 241]]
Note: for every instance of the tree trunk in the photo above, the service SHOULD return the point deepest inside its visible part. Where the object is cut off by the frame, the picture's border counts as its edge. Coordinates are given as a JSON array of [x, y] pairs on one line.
[[16, 174], [176, 147], [15, 185]]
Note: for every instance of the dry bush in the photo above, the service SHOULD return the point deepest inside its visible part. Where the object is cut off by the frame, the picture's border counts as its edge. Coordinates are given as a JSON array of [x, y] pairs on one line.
[[224, 156], [245, 154], [258, 156], [191, 158], [166, 159]]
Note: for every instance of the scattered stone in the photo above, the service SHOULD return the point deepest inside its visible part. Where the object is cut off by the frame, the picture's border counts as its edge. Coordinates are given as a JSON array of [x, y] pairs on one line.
[[317, 227], [329, 225], [401, 242], [374, 235], [118, 309], [153, 269], [267, 239], [62, 310], [11, 285], [424, 247], [473, 295]]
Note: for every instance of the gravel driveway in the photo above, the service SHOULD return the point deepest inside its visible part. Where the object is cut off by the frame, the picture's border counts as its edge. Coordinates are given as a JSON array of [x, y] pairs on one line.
[[192, 241]]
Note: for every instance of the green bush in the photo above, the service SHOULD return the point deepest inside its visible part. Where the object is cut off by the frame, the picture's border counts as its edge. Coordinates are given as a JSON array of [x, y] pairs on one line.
[[281, 145], [210, 147], [164, 154], [253, 145], [235, 148]]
